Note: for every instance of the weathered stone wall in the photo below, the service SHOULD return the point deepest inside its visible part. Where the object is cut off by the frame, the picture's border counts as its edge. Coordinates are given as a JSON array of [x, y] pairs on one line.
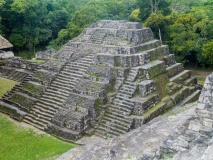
[[6, 55], [23, 64], [121, 25], [45, 54]]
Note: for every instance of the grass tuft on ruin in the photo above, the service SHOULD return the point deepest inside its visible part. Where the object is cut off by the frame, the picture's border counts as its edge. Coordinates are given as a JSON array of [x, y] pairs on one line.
[[6, 85]]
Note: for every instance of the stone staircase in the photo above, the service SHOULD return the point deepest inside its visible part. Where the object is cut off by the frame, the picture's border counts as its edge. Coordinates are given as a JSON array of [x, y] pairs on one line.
[[98, 36], [116, 120], [56, 94]]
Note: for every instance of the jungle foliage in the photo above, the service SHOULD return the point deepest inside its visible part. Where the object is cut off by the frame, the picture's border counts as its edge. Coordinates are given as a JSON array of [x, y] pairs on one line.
[[186, 26]]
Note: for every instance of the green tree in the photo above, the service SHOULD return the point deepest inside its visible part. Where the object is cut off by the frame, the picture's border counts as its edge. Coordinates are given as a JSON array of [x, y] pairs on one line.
[[208, 52], [183, 39], [134, 15], [147, 7], [156, 22]]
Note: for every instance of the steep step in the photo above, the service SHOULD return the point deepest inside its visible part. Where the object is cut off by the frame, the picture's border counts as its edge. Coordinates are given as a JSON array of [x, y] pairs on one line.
[[189, 99], [74, 69], [50, 103], [67, 76], [61, 99], [34, 124], [45, 118], [181, 76], [41, 106], [120, 112], [31, 121], [123, 100], [123, 120], [169, 60], [55, 95], [75, 66], [8, 108], [122, 108], [65, 84], [192, 97], [66, 91], [153, 69], [44, 109], [114, 127], [52, 100], [70, 73], [174, 69], [102, 132], [119, 104], [190, 81], [117, 121], [147, 46], [52, 92]]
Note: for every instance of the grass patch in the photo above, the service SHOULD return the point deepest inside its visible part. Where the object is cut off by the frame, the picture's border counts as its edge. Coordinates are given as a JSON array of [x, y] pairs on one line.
[[201, 80], [37, 60], [25, 144], [148, 112], [6, 85]]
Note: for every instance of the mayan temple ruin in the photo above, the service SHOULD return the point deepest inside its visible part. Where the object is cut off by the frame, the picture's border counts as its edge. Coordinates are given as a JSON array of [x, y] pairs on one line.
[[113, 78]]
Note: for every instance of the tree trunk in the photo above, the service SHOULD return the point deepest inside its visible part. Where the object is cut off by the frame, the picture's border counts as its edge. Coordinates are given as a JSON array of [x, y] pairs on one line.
[[160, 36], [152, 6]]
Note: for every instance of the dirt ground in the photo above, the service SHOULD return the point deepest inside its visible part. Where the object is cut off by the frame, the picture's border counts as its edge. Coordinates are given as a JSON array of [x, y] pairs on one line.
[[201, 73]]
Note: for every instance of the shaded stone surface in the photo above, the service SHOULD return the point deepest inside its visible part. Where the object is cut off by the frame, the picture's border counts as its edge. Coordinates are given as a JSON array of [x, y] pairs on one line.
[[185, 135]]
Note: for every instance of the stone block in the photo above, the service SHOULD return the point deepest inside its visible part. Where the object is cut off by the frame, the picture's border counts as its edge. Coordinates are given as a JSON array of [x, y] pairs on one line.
[[172, 87], [174, 69], [146, 87], [207, 122], [156, 53], [169, 59], [6, 55], [20, 63], [180, 95], [143, 104], [45, 54], [194, 125], [65, 134], [153, 69]]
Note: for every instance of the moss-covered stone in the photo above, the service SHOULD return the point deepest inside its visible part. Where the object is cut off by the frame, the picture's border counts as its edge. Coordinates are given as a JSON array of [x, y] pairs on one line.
[[98, 105], [161, 82], [42, 76], [156, 70], [35, 89], [23, 101]]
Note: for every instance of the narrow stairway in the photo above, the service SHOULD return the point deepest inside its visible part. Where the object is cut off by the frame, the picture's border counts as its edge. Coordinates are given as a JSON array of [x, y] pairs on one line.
[[98, 36], [115, 120]]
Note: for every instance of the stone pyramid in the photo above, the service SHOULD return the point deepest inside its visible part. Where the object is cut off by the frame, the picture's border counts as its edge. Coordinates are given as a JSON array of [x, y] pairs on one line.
[[112, 78]]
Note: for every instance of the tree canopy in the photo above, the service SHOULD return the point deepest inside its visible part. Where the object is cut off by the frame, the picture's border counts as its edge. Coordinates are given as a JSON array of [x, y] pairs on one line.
[[186, 26]]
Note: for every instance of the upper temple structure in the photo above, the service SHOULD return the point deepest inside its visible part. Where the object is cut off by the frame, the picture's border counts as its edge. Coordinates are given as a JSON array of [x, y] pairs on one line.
[[112, 78]]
